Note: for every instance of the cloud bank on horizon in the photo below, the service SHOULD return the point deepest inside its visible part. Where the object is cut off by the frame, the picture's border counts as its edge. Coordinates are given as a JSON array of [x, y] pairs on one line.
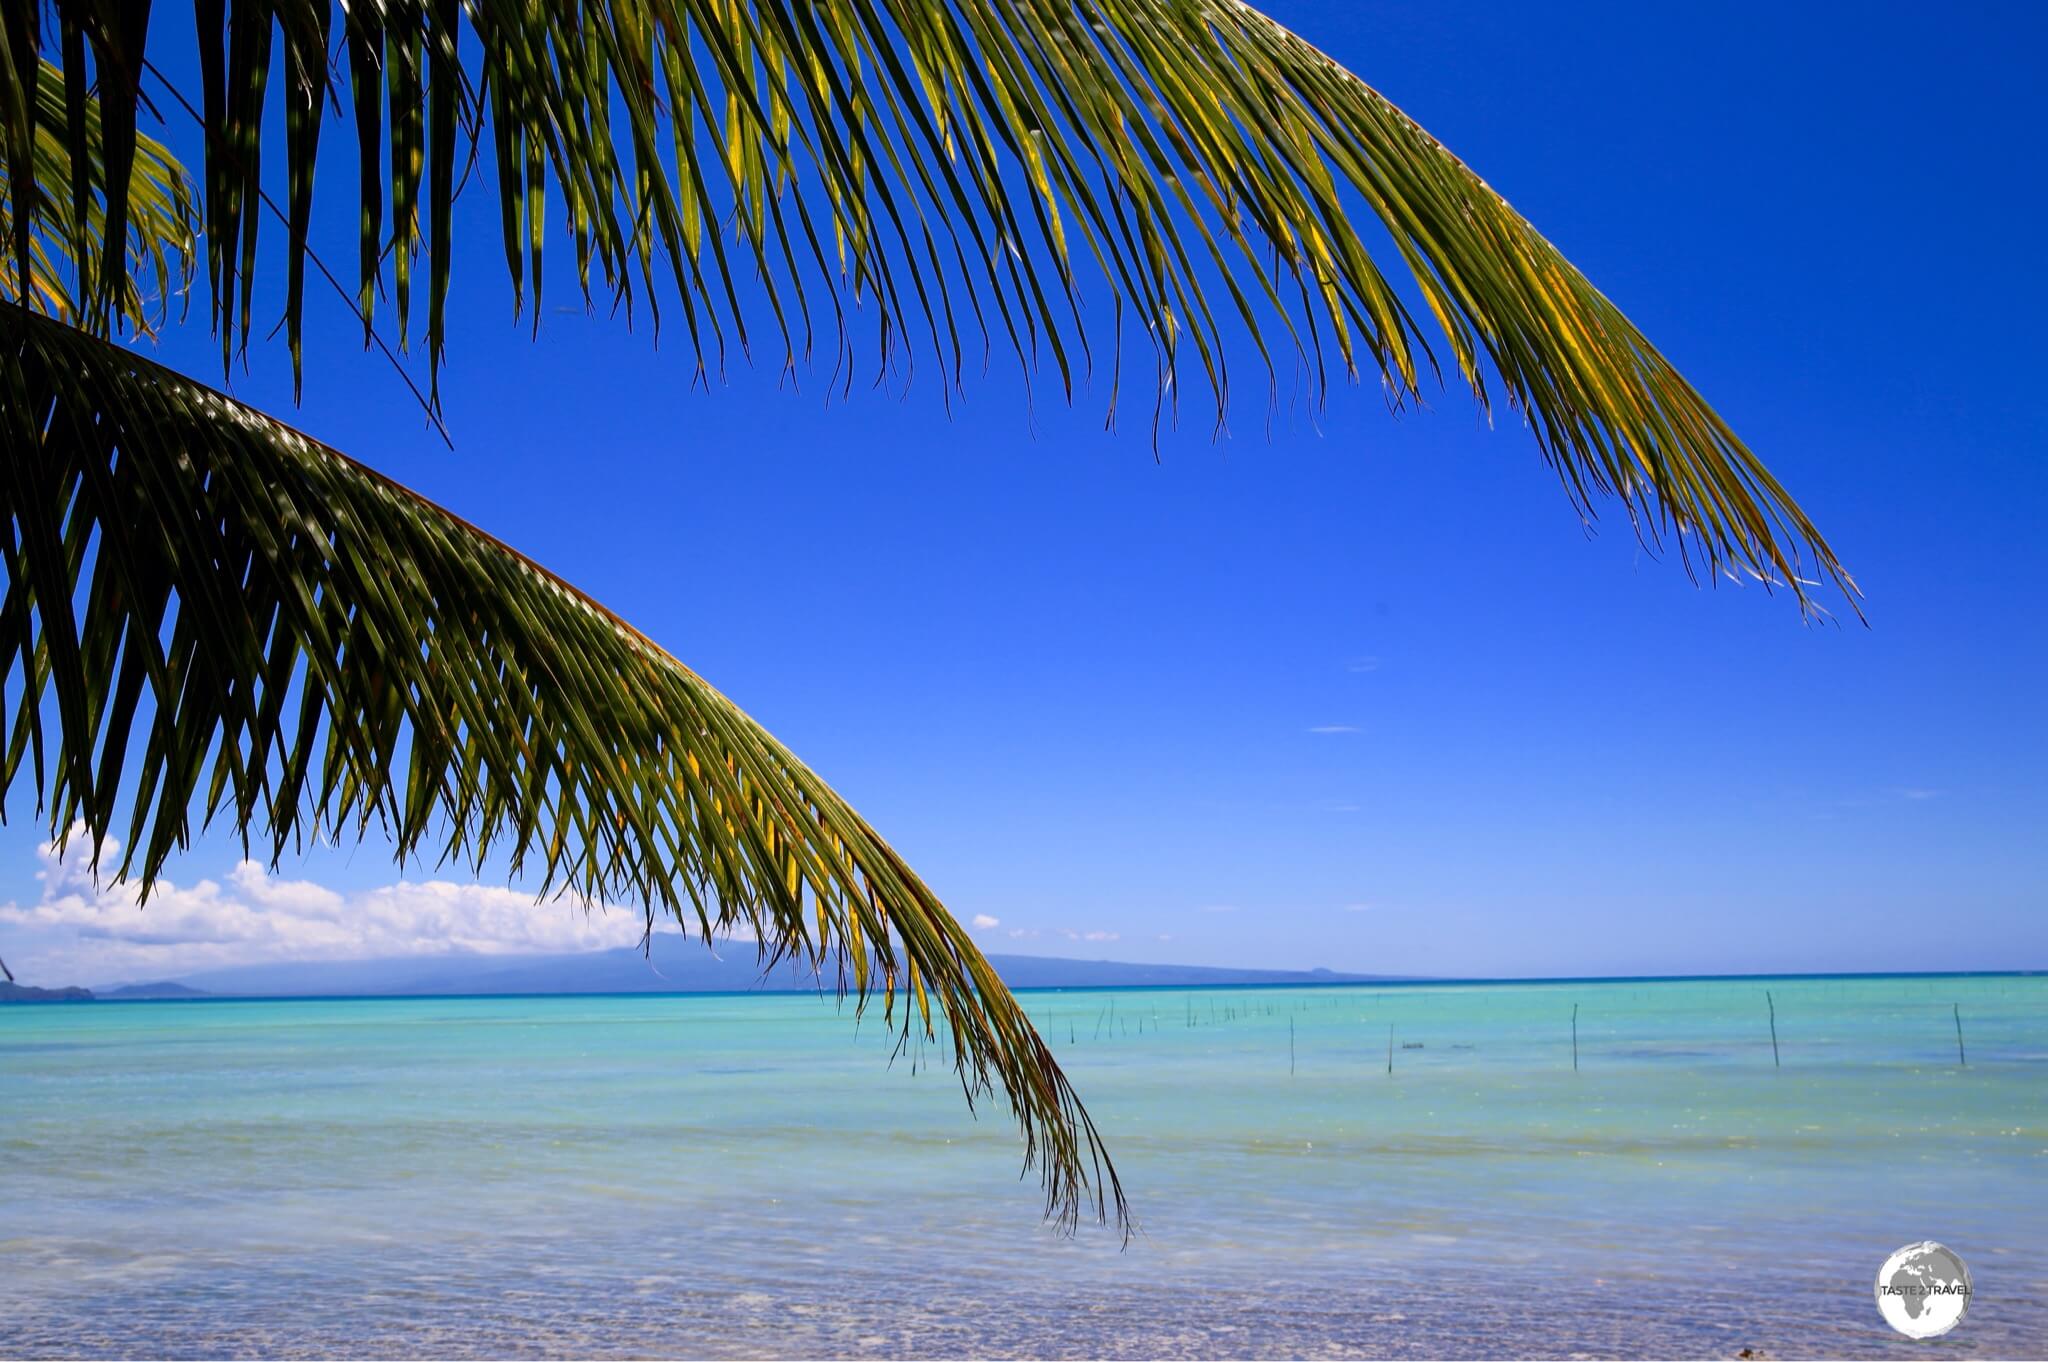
[[87, 929], [91, 929]]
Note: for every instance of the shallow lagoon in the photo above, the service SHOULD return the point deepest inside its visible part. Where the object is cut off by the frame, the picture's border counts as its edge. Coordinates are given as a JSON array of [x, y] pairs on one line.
[[749, 1175]]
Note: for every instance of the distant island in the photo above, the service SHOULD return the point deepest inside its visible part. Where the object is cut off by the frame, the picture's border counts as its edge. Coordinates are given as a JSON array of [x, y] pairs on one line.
[[674, 965], [163, 989], [24, 993]]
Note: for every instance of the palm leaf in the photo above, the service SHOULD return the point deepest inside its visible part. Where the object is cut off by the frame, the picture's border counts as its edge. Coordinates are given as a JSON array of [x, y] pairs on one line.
[[214, 612], [65, 230], [952, 174]]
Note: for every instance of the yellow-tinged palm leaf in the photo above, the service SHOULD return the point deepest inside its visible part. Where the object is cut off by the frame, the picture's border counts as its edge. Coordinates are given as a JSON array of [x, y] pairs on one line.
[[211, 609], [958, 173], [69, 217]]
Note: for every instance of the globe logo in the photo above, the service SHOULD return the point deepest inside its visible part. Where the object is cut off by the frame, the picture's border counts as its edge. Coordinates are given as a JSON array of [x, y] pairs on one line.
[[1923, 1290]]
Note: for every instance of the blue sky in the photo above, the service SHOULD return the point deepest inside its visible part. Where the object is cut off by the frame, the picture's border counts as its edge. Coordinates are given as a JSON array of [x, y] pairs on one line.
[[1361, 692]]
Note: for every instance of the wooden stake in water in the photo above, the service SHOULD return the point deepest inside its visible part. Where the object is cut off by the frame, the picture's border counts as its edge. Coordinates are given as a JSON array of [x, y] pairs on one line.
[[1390, 1049], [1958, 1009], [1775, 1061], [1575, 1037], [1290, 1047]]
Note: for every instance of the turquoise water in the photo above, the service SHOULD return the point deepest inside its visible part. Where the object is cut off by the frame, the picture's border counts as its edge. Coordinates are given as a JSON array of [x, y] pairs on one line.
[[748, 1175]]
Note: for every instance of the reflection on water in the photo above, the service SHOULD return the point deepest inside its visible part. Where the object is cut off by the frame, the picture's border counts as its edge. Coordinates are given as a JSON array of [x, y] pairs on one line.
[[722, 1176]]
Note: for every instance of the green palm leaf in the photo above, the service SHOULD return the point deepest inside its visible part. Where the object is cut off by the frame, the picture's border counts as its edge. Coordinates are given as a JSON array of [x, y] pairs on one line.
[[216, 612], [212, 612], [1045, 175]]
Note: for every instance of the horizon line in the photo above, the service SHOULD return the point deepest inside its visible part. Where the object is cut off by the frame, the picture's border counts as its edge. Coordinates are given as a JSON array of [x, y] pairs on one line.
[[1398, 981]]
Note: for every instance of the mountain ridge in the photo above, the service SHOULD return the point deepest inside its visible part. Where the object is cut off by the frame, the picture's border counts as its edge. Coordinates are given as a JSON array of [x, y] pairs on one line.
[[671, 965]]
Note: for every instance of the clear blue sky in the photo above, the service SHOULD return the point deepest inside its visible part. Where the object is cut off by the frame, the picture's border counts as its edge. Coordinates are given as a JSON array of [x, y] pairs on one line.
[[1079, 688]]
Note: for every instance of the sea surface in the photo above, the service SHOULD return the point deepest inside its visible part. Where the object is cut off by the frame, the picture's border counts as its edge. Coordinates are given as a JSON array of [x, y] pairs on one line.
[[751, 1176]]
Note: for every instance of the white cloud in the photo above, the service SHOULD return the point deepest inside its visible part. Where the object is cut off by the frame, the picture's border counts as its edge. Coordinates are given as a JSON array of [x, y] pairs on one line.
[[982, 922], [1334, 728], [1362, 664], [1021, 932], [1070, 934], [83, 929]]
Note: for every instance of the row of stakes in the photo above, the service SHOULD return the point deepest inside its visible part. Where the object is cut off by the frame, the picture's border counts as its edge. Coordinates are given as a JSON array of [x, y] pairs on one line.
[[1108, 1018]]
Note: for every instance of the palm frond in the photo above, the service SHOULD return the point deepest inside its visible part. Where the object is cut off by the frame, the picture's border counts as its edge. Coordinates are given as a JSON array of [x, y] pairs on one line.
[[1036, 174], [63, 233], [212, 611]]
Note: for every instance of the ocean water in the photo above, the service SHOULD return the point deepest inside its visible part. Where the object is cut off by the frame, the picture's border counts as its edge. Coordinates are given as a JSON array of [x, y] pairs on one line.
[[713, 1176]]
